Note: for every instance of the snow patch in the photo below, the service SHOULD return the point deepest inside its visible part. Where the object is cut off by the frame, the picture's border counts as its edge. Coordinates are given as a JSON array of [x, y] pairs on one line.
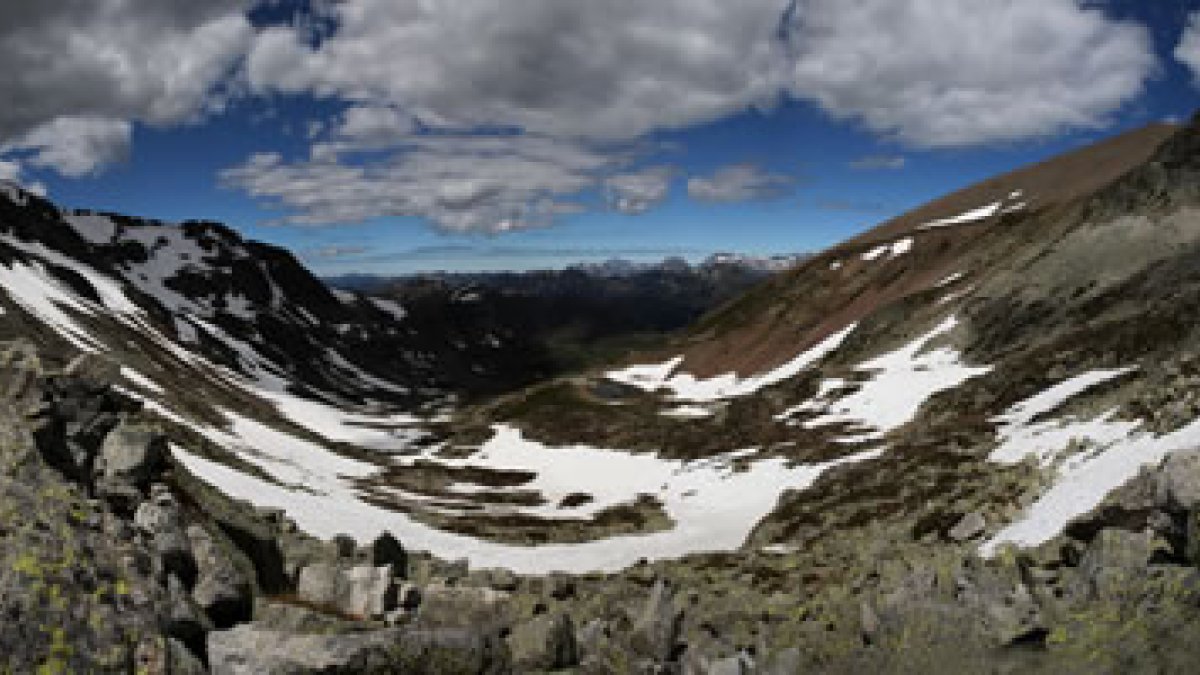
[[140, 380], [974, 215], [390, 307], [899, 383], [685, 387], [713, 506]]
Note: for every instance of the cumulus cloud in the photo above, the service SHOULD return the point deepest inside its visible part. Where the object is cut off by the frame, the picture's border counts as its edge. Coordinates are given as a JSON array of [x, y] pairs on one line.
[[86, 68], [738, 183], [932, 73], [153, 60], [373, 126], [639, 191], [462, 183], [74, 146], [613, 69], [966, 72], [1187, 51], [879, 163], [12, 172], [591, 77]]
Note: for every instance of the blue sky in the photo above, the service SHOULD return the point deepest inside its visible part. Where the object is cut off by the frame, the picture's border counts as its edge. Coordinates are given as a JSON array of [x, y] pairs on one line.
[[392, 137]]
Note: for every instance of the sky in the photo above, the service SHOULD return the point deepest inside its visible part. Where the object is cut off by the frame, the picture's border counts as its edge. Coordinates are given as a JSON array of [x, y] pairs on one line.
[[397, 136]]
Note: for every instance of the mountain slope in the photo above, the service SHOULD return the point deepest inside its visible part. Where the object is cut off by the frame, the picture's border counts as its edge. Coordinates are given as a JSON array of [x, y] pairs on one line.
[[957, 443]]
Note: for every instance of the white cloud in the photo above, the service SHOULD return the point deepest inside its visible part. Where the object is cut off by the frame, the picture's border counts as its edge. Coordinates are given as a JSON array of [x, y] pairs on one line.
[[1187, 51], [461, 183], [928, 72], [589, 78], [371, 126], [639, 191], [152, 60], [74, 146], [738, 183], [966, 72], [613, 69], [879, 163]]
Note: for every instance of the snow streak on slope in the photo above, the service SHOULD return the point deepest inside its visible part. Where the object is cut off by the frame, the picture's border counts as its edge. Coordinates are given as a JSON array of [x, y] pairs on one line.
[[685, 387], [893, 250], [1089, 457], [899, 382], [713, 506]]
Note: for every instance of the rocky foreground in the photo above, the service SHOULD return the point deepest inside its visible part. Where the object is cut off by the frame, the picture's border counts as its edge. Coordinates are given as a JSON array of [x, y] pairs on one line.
[[114, 559]]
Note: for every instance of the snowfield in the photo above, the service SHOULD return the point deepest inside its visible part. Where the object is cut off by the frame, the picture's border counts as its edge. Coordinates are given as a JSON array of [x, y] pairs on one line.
[[686, 388], [1089, 457], [713, 507], [897, 384]]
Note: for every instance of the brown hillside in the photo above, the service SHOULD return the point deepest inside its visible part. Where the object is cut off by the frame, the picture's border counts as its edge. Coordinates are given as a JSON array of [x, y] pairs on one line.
[[793, 311]]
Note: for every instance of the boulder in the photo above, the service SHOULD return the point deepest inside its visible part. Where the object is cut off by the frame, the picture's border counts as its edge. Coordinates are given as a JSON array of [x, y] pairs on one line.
[[1178, 484], [656, 631], [319, 584], [222, 590], [1115, 558], [250, 649], [369, 592], [444, 606], [968, 527], [545, 642], [133, 452], [184, 619], [161, 521], [362, 591]]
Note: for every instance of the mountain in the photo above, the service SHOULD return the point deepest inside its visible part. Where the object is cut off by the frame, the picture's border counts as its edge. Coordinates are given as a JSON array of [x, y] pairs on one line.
[[964, 441], [569, 318]]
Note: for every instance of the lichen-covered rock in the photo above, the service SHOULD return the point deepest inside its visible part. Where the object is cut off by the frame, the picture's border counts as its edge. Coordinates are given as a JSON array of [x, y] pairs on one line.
[[160, 519], [252, 650], [657, 629], [546, 642], [69, 598], [133, 453], [445, 606], [1178, 481], [222, 590]]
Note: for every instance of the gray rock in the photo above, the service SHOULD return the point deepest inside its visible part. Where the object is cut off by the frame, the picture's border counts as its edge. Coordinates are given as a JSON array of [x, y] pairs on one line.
[[1117, 557], [445, 606], [292, 618], [1178, 484], [369, 592], [250, 649], [363, 591], [319, 584], [183, 661], [657, 629], [783, 662], [185, 620], [161, 520], [133, 453], [544, 643], [222, 590], [968, 527]]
